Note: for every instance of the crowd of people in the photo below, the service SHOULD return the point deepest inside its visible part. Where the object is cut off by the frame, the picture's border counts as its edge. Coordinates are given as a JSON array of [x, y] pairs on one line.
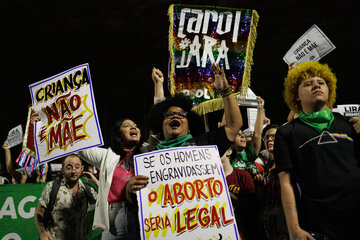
[[298, 180]]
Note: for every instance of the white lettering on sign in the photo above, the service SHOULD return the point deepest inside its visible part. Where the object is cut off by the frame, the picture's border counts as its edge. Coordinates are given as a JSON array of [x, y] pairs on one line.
[[193, 25], [197, 93], [199, 22], [11, 236], [8, 208]]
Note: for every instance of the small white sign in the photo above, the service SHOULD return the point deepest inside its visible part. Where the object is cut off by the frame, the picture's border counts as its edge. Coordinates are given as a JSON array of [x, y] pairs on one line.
[[311, 46], [251, 115], [55, 167], [349, 110], [23, 171], [15, 136]]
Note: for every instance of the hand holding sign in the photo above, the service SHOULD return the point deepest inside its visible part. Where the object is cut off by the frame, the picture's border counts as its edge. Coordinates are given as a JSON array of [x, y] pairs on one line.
[[356, 124], [5, 146], [351, 111], [35, 117], [136, 183]]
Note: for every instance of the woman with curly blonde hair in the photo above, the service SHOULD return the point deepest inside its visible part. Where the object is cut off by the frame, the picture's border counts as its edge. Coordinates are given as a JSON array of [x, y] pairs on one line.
[[319, 153], [304, 71]]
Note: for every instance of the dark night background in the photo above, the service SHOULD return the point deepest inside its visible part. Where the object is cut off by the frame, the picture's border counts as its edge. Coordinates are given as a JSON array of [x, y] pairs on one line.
[[123, 40]]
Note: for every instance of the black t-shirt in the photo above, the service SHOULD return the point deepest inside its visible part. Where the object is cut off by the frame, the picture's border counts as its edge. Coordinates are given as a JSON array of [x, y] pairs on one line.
[[325, 168]]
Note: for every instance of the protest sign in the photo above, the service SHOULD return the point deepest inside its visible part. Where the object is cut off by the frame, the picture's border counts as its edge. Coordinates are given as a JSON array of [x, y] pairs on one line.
[[251, 116], [202, 35], [311, 46], [186, 197], [349, 110], [250, 99], [15, 136], [23, 171], [69, 121]]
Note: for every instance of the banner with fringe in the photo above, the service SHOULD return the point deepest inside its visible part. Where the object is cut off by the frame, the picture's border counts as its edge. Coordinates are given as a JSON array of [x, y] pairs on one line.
[[27, 158], [201, 35]]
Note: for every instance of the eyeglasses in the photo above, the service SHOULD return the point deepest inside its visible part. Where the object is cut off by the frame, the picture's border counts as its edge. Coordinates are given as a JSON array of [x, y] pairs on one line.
[[267, 137], [175, 114]]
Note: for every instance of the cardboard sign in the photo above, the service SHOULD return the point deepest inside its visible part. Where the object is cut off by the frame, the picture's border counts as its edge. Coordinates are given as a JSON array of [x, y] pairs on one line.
[[250, 99], [349, 110], [69, 121], [187, 195], [311, 46], [15, 136], [251, 116]]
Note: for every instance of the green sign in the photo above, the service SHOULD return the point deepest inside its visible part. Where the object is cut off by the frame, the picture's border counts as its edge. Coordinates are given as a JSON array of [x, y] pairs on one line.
[[17, 207]]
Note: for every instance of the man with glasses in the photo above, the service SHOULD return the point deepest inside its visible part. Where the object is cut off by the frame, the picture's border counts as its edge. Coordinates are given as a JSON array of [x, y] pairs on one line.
[[67, 220]]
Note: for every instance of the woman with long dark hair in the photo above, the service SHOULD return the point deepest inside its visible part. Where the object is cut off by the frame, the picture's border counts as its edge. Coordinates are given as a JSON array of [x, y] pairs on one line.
[[113, 213]]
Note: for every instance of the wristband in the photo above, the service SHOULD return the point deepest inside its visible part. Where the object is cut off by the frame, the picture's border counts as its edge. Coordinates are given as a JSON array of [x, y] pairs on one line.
[[225, 92]]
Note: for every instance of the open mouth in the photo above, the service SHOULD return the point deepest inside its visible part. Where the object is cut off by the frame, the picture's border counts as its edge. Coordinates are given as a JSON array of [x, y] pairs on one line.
[[133, 134], [174, 123]]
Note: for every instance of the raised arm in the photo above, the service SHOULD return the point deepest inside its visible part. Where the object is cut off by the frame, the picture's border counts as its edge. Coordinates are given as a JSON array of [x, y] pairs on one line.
[[9, 165], [258, 129], [158, 79], [94, 155], [91, 177], [232, 113]]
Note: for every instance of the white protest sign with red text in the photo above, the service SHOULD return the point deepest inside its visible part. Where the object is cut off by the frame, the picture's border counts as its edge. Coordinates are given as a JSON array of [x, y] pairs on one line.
[[187, 196], [69, 121]]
